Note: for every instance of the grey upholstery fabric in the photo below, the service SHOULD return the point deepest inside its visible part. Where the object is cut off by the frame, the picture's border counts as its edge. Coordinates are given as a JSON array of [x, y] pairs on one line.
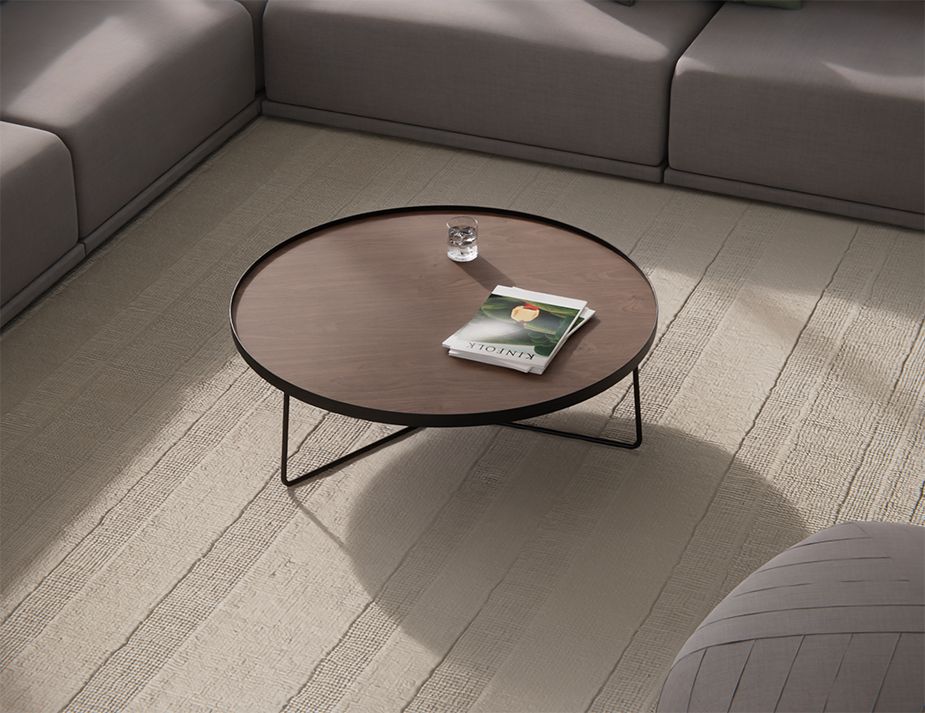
[[836, 622], [256, 8], [130, 87], [824, 204], [828, 100], [587, 77], [35, 289], [464, 141], [38, 219], [170, 176]]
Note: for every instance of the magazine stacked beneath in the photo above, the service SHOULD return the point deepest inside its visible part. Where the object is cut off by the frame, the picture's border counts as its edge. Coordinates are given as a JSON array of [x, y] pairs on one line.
[[519, 329]]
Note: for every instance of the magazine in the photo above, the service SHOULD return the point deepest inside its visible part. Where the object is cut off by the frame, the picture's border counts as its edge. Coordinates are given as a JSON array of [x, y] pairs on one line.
[[585, 315], [519, 329]]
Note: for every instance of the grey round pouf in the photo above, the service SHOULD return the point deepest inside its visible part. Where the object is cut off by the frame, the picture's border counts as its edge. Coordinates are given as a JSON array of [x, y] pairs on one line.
[[835, 623]]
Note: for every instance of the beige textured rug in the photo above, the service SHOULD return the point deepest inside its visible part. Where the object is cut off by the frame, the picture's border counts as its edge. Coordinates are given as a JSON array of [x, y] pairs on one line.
[[151, 560]]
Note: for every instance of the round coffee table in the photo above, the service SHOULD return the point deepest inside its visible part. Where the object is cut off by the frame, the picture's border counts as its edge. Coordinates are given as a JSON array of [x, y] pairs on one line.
[[350, 316]]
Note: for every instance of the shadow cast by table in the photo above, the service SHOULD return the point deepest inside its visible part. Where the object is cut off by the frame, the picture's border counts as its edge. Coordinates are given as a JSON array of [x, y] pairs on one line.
[[534, 529]]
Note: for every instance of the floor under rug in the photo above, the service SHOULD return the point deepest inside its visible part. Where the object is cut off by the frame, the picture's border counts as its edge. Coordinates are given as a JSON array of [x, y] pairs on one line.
[[151, 560]]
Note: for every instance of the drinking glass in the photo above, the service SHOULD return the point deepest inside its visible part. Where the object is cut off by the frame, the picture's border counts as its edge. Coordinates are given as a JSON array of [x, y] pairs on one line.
[[462, 238]]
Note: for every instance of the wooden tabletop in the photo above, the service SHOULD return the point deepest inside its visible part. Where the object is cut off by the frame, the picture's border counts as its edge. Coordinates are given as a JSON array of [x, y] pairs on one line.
[[350, 316]]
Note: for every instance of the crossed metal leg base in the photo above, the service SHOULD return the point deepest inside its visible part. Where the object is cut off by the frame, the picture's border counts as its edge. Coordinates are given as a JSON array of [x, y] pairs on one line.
[[320, 470], [402, 432]]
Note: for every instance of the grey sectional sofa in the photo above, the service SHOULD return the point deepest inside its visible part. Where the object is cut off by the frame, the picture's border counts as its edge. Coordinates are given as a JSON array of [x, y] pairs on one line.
[[571, 82], [38, 211], [127, 96], [105, 103], [821, 108]]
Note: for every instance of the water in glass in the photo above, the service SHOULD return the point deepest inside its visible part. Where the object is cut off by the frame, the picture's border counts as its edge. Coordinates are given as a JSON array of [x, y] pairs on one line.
[[462, 246]]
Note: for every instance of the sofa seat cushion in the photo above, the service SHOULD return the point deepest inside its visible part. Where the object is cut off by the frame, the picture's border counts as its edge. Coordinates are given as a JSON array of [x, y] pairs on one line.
[[130, 87], [827, 100], [589, 77], [38, 220], [836, 622]]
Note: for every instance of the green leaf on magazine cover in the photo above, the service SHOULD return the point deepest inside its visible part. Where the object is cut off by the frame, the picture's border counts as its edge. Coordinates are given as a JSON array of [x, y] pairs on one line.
[[547, 323]]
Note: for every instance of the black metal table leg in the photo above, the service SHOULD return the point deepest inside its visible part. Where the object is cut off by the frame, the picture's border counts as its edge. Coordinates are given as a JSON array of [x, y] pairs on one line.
[[595, 439], [283, 469], [410, 429]]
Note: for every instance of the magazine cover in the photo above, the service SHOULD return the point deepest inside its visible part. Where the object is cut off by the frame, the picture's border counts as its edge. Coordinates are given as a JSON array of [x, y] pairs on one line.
[[585, 315], [517, 328]]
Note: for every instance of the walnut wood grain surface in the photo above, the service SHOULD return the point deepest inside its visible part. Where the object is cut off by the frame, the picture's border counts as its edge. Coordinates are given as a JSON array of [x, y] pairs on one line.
[[351, 317]]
